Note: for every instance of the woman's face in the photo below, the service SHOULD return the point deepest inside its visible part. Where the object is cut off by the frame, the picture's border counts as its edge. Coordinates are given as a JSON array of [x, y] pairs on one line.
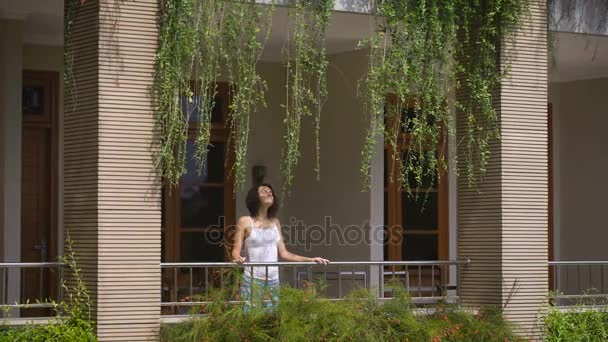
[[266, 196]]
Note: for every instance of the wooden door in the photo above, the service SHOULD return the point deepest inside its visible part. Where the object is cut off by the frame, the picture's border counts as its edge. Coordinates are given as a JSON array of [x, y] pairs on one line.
[[38, 187]]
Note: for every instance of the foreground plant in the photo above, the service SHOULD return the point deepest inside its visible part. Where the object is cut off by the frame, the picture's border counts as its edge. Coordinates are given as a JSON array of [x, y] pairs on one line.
[[305, 315]]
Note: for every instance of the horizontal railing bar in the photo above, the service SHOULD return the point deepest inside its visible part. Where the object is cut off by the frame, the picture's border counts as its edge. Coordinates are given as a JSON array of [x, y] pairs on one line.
[[337, 263], [29, 264], [591, 262], [28, 306]]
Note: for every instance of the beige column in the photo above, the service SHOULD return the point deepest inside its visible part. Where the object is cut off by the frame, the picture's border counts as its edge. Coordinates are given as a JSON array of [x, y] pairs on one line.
[[503, 226], [11, 60], [112, 195]]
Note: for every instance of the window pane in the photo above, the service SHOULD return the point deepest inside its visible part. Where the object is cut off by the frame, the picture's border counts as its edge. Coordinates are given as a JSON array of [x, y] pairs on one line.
[[213, 172], [419, 212], [201, 206], [201, 246], [32, 100], [216, 113], [190, 108], [420, 247]]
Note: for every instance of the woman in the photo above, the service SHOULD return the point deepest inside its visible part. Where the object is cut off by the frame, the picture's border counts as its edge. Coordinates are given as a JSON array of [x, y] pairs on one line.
[[263, 243]]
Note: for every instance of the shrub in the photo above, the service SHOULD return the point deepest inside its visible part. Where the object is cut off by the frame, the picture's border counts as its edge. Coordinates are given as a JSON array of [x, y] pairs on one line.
[[580, 323], [303, 315]]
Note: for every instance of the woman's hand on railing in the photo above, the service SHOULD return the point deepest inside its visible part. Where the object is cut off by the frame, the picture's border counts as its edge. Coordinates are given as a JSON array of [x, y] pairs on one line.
[[320, 260], [238, 258]]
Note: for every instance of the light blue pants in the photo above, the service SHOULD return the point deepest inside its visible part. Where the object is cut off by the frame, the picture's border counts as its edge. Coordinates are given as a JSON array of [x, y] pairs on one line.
[[259, 291]]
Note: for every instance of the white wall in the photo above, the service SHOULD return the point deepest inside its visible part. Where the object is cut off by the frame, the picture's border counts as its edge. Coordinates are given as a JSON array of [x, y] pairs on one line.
[[580, 118]]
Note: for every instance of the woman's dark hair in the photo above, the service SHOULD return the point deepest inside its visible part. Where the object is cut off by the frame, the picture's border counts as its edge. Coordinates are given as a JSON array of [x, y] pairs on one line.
[[253, 201]]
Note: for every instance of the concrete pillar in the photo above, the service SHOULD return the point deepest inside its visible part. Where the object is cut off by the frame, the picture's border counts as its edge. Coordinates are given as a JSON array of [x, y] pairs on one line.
[[503, 225], [112, 194], [11, 66]]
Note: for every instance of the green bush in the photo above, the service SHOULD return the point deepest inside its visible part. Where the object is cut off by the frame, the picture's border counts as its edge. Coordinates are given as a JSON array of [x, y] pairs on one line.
[[581, 324], [303, 315]]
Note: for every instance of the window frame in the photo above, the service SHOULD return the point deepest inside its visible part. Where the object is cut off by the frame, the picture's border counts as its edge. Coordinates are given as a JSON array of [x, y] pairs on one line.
[[172, 229], [394, 197]]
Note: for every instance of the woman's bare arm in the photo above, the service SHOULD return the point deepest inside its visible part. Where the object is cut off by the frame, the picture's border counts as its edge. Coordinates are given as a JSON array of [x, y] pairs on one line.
[[239, 235]]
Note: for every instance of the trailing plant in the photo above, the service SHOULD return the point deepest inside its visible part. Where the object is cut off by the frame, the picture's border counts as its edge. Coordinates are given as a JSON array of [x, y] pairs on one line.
[[423, 52], [203, 40], [306, 79]]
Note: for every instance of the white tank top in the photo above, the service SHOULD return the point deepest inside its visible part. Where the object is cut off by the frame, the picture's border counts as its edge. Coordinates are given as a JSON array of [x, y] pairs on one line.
[[261, 246]]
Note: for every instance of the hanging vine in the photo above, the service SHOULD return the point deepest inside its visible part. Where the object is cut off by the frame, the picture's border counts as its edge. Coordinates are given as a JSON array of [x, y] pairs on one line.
[[306, 79], [424, 51], [204, 40]]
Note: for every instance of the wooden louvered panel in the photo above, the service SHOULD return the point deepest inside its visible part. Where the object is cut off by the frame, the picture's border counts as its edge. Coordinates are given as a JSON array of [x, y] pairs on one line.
[[129, 216], [80, 148], [503, 228], [112, 196], [525, 173]]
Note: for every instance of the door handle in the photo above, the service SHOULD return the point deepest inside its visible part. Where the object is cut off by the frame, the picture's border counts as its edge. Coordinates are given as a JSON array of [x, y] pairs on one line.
[[43, 248]]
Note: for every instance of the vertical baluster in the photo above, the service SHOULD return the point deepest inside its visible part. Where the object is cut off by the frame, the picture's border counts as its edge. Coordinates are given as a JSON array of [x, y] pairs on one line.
[[589, 268], [296, 284], [5, 286], [325, 280], [419, 280], [432, 280], [578, 276], [41, 284], [206, 268], [352, 270], [175, 299], [406, 276], [191, 286], [380, 281], [602, 278], [59, 283], [339, 282]]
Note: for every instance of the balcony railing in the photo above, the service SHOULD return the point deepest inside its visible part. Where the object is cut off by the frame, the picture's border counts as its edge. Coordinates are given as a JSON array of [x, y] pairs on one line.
[[579, 282], [186, 285], [29, 289]]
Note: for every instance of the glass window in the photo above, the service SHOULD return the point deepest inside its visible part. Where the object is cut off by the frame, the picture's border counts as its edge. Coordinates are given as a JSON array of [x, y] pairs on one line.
[[202, 246], [32, 100], [201, 206], [420, 247], [213, 171], [419, 212], [190, 108]]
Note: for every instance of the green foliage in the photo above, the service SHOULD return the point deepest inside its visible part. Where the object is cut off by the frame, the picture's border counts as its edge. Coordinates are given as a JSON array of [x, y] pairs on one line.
[[306, 81], [200, 40], [586, 321], [425, 51], [73, 315], [304, 315]]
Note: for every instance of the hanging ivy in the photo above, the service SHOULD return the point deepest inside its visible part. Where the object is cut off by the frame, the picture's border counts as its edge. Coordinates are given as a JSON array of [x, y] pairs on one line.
[[306, 79], [203, 40], [425, 51]]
